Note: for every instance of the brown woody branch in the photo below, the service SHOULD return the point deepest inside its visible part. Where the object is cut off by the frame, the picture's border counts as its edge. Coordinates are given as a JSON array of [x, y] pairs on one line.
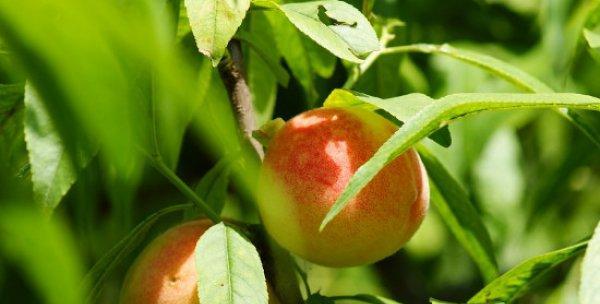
[[234, 77]]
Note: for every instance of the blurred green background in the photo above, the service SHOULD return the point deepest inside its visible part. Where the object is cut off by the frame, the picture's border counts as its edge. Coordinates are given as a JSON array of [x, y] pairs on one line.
[[533, 176]]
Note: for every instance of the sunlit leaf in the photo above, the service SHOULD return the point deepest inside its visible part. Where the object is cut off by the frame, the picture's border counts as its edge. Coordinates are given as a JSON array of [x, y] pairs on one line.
[[518, 280], [402, 108], [229, 268], [214, 22], [335, 25], [439, 113], [508, 72], [589, 291], [592, 38]]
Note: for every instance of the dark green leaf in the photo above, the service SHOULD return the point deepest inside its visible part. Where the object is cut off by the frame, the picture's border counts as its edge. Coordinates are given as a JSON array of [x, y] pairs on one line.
[[367, 298], [13, 154], [318, 298], [53, 172], [10, 95], [229, 268], [294, 49], [453, 204], [45, 251], [261, 47], [518, 280], [213, 185]]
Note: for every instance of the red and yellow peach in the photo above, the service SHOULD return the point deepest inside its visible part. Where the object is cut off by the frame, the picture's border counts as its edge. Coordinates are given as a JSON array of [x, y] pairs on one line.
[[307, 165]]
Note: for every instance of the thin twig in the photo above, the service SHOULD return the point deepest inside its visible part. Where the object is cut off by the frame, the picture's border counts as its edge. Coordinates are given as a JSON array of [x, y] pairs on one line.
[[160, 166], [233, 75], [157, 162], [386, 36], [367, 8]]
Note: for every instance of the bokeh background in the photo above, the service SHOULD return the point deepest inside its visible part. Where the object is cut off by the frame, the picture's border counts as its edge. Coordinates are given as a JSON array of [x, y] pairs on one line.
[[532, 175]]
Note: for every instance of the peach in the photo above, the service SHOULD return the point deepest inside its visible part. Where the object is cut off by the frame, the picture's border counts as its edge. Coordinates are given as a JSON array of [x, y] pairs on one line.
[[307, 165], [165, 271]]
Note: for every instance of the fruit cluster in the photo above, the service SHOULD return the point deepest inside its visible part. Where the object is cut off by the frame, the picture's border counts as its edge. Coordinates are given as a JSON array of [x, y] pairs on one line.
[[308, 164]]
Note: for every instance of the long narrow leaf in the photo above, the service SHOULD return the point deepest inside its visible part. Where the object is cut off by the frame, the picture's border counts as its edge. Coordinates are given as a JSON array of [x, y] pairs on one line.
[[506, 71], [516, 281], [439, 114], [401, 108]]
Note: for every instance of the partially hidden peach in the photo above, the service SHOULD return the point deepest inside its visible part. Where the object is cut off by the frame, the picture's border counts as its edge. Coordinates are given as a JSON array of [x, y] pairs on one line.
[[165, 271], [309, 163]]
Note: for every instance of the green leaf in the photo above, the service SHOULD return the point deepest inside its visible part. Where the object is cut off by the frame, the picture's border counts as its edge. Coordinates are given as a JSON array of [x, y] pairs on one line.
[[261, 47], [518, 280], [214, 22], [53, 172], [10, 95], [317, 298], [455, 207], [592, 38], [434, 301], [87, 88], [335, 25], [402, 108], [13, 154], [104, 267], [45, 251], [213, 185], [229, 268], [508, 72], [367, 298], [13, 151], [439, 113], [260, 75], [589, 293], [321, 61], [294, 50]]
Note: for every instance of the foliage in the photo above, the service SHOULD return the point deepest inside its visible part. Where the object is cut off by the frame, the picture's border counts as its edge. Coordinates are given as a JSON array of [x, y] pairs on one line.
[[110, 110]]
